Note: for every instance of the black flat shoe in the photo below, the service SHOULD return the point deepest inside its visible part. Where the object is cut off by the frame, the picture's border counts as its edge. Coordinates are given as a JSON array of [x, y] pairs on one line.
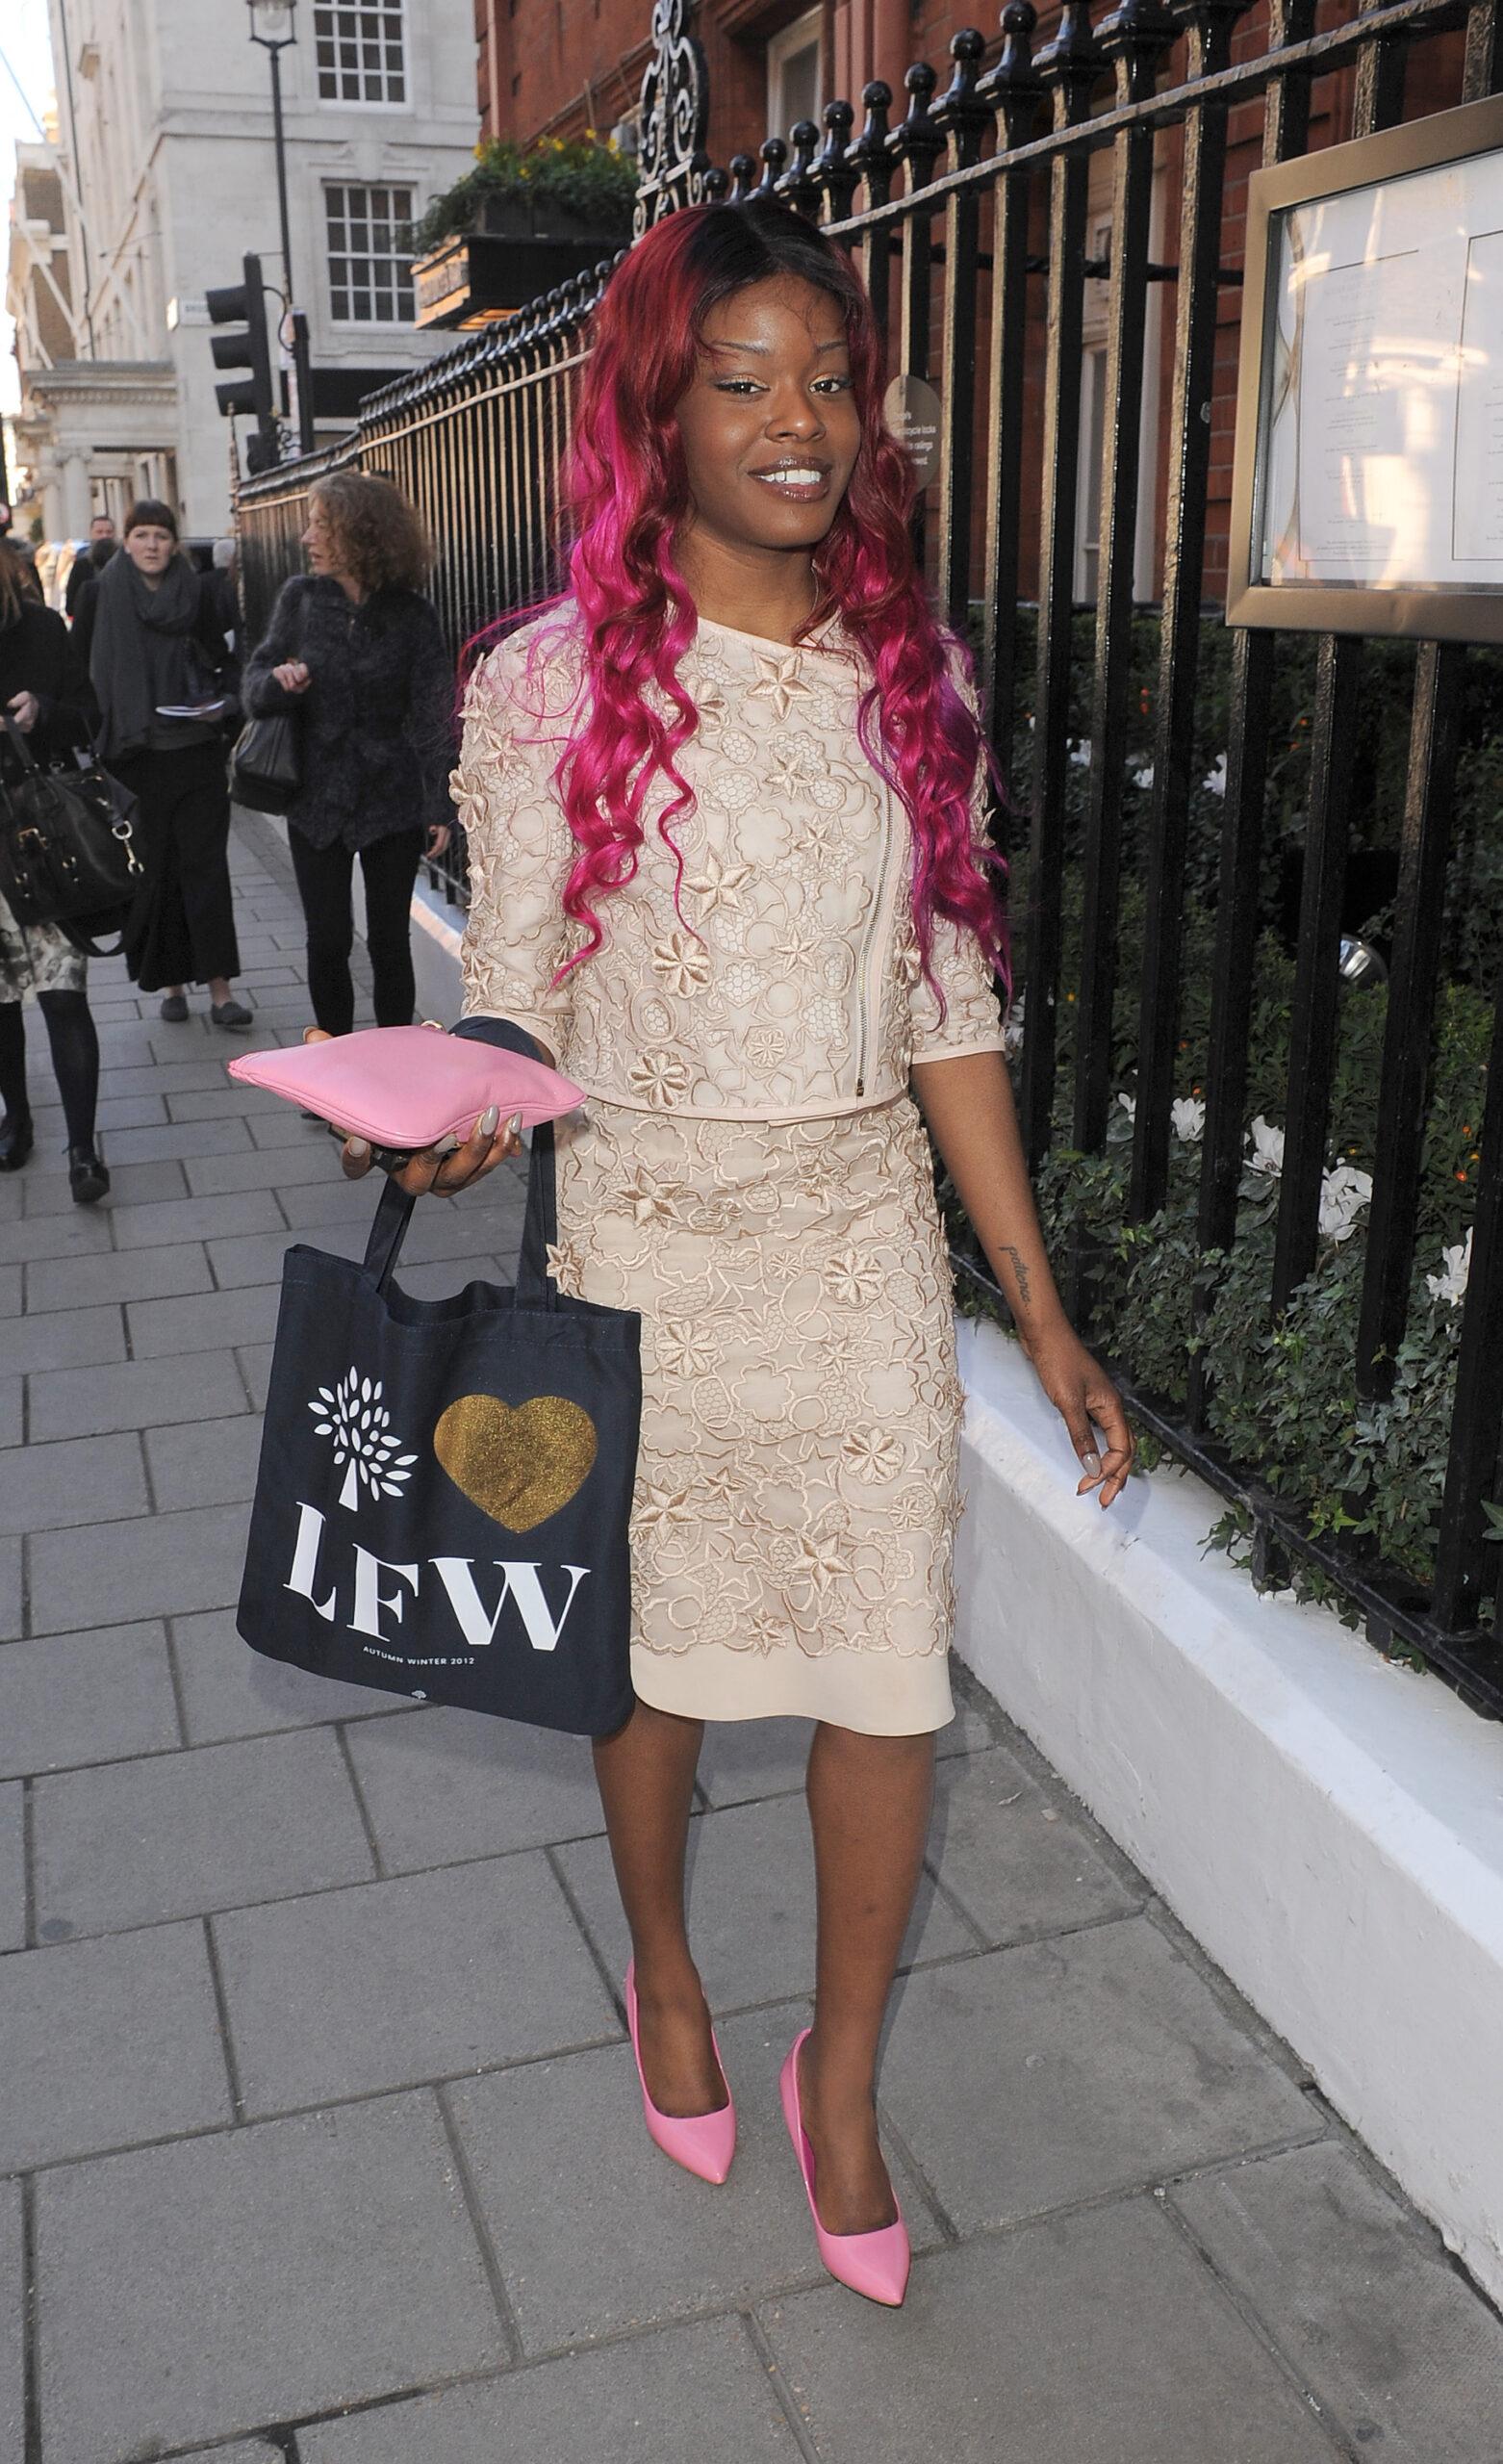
[[174, 1008], [16, 1141], [87, 1178], [231, 1013]]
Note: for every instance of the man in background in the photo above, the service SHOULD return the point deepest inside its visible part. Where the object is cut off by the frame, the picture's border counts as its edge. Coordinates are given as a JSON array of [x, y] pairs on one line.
[[102, 545]]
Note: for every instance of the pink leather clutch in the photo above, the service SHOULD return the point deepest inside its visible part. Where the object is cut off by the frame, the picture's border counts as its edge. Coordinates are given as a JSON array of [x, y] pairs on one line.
[[407, 1086]]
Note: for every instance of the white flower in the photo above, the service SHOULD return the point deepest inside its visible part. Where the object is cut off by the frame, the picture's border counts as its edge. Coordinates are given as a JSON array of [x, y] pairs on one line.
[[1080, 753], [1214, 780], [1450, 1284], [1128, 1104], [1344, 1193], [1143, 778], [1187, 1114], [1012, 1032], [1267, 1155]]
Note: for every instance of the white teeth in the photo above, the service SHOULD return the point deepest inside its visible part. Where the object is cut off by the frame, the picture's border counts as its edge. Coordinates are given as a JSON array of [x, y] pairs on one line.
[[792, 478]]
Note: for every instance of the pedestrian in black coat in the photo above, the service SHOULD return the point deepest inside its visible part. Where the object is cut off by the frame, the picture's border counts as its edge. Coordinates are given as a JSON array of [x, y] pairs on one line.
[[357, 650], [147, 637], [36, 698]]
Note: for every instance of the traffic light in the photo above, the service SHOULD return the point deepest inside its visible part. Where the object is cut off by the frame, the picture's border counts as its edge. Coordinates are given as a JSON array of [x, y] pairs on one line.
[[251, 396]]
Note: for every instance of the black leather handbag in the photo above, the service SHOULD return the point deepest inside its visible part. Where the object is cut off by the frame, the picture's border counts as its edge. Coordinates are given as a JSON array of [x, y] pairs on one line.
[[67, 847], [264, 767]]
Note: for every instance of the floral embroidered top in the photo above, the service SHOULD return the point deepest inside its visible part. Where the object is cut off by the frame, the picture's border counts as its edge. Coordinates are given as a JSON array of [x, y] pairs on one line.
[[788, 987]]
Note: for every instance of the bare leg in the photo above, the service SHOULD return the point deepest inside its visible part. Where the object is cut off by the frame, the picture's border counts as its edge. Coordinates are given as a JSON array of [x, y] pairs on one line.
[[645, 1777], [868, 1804], [220, 990]]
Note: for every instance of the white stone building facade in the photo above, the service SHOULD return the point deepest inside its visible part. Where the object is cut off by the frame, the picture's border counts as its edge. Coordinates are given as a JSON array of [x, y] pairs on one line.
[[164, 132]]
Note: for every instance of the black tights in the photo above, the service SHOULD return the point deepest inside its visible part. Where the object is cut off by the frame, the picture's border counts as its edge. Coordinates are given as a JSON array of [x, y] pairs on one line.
[[75, 1060]]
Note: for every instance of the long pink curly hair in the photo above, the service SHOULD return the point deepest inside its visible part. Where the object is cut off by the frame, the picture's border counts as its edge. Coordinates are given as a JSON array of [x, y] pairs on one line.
[[625, 491]]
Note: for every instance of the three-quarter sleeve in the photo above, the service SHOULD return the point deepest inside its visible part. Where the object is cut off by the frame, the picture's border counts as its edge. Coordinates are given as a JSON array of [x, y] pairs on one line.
[[972, 1021], [521, 852]]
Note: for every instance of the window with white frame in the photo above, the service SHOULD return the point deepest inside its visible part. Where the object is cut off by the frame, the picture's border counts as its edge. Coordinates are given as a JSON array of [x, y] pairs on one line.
[[369, 270], [360, 50], [795, 73]]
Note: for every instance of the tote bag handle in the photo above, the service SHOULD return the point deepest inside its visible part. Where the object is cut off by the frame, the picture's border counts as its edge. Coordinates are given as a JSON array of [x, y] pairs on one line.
[[535, 1286]]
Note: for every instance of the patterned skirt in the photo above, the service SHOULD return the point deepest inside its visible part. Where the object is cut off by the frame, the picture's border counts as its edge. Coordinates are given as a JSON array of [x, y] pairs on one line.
[[797, 1489], [36, 958]]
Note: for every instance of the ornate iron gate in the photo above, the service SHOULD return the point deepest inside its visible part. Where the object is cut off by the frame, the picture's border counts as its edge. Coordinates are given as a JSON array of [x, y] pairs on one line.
[[978, 266]]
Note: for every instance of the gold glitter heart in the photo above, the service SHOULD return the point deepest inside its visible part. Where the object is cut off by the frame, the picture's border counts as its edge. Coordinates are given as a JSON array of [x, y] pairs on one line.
[[517, 1464]]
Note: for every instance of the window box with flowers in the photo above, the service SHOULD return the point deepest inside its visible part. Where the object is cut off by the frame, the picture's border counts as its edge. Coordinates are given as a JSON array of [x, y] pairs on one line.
[[525, 219]]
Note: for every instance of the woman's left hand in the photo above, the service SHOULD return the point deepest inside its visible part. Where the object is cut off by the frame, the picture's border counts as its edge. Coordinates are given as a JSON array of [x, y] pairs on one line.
[[438, 837], [25, 710], [1082, 1394]]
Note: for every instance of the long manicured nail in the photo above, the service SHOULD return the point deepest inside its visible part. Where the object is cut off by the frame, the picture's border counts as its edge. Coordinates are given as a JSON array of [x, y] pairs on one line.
[[446, 1146], [359, 1147], [1090, 1465], [514, 1126], [485, 1127]]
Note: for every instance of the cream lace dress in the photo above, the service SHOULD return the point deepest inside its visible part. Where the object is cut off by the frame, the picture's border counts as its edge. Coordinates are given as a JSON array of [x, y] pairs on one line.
[[749, 1173]]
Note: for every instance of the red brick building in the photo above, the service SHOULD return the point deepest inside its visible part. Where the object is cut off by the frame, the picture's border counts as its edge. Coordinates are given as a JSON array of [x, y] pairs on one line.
[[559, 67]]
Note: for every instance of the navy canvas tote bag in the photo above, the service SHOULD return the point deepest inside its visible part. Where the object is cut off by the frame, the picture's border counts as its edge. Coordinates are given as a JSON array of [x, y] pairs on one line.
[[444, 1485]]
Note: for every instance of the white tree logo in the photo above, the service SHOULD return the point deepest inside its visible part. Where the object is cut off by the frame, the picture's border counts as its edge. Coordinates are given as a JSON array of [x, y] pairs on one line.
[[360, 1424]]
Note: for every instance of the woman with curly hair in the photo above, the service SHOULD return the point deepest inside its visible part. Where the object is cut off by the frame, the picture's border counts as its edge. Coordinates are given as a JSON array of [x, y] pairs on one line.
[[729, 865], [356, 649]]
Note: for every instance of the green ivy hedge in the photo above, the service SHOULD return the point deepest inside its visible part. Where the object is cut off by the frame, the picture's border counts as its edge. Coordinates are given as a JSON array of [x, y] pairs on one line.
[[585, 176], [1283, 1391]]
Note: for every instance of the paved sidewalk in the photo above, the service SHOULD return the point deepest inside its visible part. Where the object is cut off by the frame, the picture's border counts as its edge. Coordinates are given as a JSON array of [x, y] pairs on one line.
[[318, 2134]]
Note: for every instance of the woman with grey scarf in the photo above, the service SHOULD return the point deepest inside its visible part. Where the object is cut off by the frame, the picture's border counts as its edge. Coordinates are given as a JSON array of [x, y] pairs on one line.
[[148, 633]]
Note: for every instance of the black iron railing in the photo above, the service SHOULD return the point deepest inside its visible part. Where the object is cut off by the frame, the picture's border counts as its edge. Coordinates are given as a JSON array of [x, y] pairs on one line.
[[974, 216]]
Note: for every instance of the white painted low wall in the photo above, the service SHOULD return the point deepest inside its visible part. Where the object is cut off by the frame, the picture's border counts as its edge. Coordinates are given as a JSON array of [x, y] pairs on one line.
[[1330, 1827]]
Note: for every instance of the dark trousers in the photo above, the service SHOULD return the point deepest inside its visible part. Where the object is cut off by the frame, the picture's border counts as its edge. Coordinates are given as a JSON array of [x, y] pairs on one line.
[[75, 1060], [324, 874], [185, 933]]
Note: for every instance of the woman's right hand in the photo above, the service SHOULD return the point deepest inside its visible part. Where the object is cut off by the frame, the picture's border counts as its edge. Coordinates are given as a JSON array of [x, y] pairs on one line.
[[437, 1170], [293, 675]]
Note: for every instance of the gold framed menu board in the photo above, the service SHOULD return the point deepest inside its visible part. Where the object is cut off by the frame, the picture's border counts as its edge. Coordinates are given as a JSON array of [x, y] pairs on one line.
[[1367, 485]]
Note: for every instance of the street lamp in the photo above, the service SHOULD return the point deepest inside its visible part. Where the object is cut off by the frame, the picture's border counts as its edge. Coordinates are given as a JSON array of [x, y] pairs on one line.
[[271, 27]]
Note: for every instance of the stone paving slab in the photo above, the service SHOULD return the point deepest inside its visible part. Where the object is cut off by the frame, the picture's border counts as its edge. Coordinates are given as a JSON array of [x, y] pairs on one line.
[[132, 1274], [13, 2331], [50, 1195], [445, 1785], [134, 1844], [210, 2287], [13, 1867], [410, 1980], [152, 1567], [751, 1905], [208, 1462], [1019, 1866], [1098, 2339], [10, 1292], [557, 2146], [84, 1233], [248, 1167], [64, 1339], [1387, 2333], [134, 1394], [256, 1257], [89, 1479], [10, 1418], [194, 1218], [689, 2396], [97, 1697], [203, 1323], [11, 1590], [107, 2044], [1072, 2067], [231, 1691]]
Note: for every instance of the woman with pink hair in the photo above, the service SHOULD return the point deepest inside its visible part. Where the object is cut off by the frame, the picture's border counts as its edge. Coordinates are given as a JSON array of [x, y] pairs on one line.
[[729, 868]]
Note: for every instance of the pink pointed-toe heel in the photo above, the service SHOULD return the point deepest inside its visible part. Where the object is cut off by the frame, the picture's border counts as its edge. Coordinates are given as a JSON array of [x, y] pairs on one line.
[[874, 2263], [703, 2144]]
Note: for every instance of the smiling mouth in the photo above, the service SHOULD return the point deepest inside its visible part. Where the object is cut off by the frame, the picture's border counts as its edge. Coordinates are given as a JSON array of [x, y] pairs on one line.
[[800, 482]]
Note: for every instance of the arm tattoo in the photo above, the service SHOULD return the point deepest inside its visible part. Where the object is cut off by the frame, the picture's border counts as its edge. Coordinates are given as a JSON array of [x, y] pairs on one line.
[[1020, 1271]]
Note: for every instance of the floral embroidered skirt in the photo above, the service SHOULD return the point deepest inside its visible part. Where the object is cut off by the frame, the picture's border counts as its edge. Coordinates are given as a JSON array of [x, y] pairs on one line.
[[797, 1489], [36, 958]]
